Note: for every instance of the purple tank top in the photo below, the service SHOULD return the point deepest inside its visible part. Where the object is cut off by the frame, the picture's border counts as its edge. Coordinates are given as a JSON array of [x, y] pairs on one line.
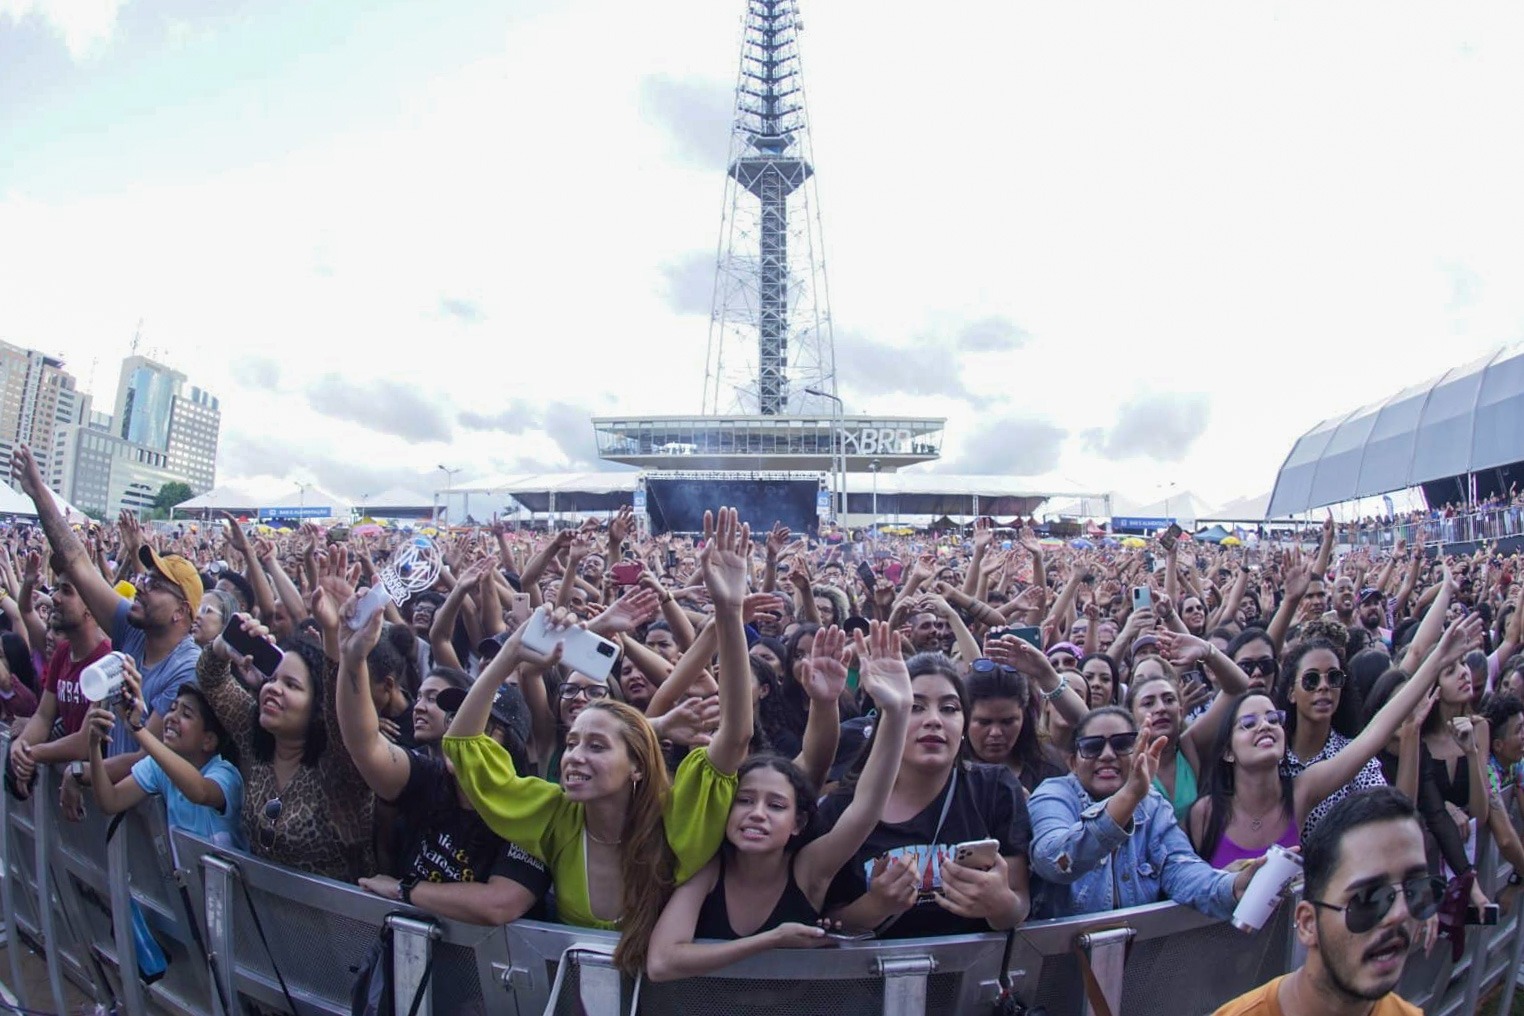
[[1227, 851]]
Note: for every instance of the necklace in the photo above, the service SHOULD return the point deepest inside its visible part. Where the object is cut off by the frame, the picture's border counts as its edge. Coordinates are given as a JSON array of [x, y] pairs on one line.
[[1255, 822], [604, 843]]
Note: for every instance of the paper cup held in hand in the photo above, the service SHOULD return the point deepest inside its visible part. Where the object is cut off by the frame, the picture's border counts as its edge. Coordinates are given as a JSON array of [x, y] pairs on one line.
[[1264, 891], [102, 680]]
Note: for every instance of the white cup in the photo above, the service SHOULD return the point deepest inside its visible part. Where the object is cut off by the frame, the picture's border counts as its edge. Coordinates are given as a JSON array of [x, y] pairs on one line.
[[102, 680], [1264, 891]]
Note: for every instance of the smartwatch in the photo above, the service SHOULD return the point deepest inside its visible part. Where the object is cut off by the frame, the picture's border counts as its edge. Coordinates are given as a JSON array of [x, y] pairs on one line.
[[405, 889]]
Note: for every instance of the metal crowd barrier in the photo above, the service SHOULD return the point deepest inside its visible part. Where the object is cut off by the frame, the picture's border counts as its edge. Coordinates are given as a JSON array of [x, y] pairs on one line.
[[66, 893]]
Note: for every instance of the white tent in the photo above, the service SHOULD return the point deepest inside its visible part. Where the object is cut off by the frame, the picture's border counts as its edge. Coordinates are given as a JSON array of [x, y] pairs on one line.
[[13, 502], [301, 502]]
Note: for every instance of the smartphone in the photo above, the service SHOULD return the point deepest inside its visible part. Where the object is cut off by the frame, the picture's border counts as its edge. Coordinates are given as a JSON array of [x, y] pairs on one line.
[[849, 936], [585, 652], [627, 573], [866, 576], [671, 559], [1142, 599], [375, 598], [977, 854], [266, 656], [1170, 536], [1028, 633]]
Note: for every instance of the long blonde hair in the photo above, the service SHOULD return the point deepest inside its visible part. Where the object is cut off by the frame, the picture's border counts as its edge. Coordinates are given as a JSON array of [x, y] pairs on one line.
[[646, 863]]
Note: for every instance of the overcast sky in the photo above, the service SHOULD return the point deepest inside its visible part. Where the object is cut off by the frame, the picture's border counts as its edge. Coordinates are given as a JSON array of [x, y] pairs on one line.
[[391, 235]]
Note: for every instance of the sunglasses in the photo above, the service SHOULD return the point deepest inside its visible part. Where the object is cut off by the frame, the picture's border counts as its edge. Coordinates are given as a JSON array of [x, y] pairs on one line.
[[1367, 907], [1093, 747], [271, 818], [587, 691], [984, 665], [1312, 679], [1274, 717], [1264, 666]]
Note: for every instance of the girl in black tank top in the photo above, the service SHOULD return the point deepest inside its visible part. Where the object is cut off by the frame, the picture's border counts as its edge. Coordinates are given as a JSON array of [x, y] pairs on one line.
[[764, 867]]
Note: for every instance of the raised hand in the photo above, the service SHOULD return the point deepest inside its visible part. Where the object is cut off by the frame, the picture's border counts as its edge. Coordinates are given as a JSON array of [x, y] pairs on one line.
[[826, 675], [354, 643], [758, 604], [984, 533], [777, 539], [1182, 650], [629, 612], [25, 471], [1029, 541], [726, 553], [882, 670], [1145, 766], [621, 525]]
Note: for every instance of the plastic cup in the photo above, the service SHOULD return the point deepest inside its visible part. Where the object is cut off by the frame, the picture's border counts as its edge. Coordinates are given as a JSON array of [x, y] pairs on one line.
[[102, 680], [1264, 891]]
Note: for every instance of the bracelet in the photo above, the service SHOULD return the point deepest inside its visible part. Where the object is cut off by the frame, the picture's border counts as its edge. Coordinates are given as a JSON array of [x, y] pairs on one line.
[[666, 599], [1052, 696]]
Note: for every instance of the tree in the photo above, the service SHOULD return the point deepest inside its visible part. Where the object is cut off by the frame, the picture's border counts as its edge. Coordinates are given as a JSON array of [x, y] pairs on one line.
[[171, 494]]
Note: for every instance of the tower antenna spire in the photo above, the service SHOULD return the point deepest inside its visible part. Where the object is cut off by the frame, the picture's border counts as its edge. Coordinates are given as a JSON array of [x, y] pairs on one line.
[[770, 330]]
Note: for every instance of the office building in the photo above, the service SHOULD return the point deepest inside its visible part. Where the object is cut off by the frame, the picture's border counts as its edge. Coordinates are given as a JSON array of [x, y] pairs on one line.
[[145, 401], [39, 406], [194, 422]]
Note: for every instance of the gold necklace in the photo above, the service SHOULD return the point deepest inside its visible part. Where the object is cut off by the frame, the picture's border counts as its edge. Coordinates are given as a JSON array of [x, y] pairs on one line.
[[603, 843]]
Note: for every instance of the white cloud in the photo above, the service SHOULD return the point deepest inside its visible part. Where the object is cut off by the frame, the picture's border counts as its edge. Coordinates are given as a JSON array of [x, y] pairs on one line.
[[85, 26], [1283, 209]]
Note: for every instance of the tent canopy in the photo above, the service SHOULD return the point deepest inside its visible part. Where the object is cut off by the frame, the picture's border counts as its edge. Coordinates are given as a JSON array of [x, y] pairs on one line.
[[1466, 420]]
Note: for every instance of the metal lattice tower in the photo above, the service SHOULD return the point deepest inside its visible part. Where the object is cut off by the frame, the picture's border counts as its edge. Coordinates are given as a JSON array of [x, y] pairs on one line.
[[770, 330]]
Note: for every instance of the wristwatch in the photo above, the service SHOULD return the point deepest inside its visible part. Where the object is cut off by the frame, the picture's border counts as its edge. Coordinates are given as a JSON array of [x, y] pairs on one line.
[[405, 889]]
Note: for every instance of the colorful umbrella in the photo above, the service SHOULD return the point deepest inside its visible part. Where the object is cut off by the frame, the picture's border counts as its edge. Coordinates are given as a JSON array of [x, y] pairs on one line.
[[1134, 543], [1231, 541]]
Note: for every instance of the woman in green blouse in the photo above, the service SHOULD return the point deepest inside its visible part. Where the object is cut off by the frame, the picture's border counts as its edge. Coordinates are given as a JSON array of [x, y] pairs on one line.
[[617, 835]]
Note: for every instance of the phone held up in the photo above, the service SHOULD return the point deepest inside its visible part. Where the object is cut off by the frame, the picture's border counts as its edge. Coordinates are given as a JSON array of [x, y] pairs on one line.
[[266, 656]]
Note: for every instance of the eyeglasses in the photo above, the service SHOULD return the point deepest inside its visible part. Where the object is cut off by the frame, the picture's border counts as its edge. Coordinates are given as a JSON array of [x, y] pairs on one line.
[[1093, 747], [1312, 679], [271, 818], [155, 583], [984, 665], [1274, 717], [1261, 665], [1368, 906], [587, 691]]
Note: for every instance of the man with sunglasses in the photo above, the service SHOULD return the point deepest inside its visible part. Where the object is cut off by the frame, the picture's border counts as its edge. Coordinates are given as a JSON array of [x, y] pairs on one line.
[[1367, 897]]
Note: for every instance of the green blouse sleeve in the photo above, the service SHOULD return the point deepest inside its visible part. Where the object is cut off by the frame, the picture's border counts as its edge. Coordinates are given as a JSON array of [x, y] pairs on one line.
[[520, 809], [697, 812]]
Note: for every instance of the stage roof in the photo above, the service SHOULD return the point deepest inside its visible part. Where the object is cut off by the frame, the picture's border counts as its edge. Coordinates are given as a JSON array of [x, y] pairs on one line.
[[1464, 421]]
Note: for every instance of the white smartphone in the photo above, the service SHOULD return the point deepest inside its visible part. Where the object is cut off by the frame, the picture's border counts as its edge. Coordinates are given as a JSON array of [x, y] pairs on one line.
[[1142, 599], [586, 652], [978, 854]]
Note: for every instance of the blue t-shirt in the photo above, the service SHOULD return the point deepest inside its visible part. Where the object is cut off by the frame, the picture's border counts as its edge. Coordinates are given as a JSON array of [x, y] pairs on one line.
[[161, 682], [225, 827]]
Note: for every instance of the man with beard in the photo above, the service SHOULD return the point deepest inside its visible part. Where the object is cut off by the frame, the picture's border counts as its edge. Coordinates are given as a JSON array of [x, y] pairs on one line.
[[1370, 615], [55, 732], [154, 628], [1343, 606], [929, 631], [1368, 894]]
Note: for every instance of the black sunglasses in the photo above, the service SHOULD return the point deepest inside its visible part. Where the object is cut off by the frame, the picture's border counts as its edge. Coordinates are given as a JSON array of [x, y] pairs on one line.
[[1261, 665], [272, 816], [1311, 679], [985, 665], [587, 691], [1368, 906], [1092, 747]]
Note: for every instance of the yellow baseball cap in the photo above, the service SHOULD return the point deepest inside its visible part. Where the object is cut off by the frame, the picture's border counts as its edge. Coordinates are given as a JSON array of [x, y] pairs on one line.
[[178, 570]]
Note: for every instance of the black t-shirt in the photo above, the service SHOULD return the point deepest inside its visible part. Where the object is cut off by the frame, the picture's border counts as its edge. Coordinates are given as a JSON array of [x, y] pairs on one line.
[[989, 805], [447, 843]]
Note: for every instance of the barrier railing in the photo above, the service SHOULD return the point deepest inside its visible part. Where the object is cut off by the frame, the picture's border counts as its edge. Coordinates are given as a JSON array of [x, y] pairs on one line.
[[69, 894]]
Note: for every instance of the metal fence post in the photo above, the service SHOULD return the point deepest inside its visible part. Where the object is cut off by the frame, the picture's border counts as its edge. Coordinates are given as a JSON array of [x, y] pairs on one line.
[[412, 951], [44, 795], [219, 925], [8, 886], [599, 983], [121, 926], [1107, 951], [905, 984]]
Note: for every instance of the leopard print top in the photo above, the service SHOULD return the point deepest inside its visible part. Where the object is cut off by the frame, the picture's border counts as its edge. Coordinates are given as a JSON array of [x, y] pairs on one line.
[[326, 811]]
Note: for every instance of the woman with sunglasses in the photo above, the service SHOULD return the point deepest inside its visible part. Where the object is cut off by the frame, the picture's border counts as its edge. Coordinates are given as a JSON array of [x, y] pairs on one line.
[[1103, 837], [1322, 718], [1250, 803], [1254, 652]]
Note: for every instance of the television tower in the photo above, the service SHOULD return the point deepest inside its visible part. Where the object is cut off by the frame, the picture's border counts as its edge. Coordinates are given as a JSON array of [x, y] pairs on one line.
[[770, 329]]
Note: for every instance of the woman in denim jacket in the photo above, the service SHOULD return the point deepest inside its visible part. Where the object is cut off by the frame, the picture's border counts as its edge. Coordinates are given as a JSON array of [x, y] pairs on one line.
[[1103, 838]]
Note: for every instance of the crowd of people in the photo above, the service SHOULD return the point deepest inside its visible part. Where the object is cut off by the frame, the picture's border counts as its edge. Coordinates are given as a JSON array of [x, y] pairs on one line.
[[792, 740]]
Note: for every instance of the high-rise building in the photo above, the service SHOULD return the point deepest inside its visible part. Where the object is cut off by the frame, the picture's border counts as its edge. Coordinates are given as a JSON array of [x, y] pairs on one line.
[[145, 401], [39, 404], [194, 422]]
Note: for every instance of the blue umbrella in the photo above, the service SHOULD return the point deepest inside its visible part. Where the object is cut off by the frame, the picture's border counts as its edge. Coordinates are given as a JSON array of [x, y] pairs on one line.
[[1082, 544]]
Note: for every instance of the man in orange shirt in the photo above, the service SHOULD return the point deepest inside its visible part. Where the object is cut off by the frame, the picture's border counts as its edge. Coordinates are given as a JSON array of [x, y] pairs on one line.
[[1368, 894]]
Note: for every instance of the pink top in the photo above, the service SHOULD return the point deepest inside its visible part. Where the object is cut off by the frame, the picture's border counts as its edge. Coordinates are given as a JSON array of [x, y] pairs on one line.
[[1227, 851]]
